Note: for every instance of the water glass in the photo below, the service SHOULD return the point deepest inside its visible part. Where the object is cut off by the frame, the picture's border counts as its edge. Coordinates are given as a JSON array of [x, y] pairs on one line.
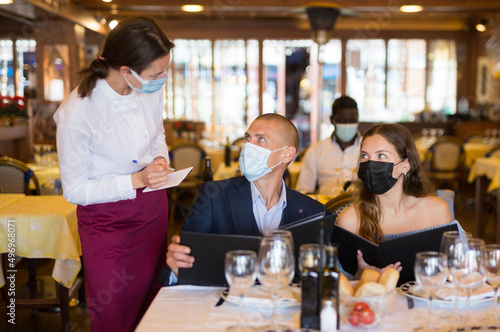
[[276, 267], [447, 245], [431, 271], [465, 267], [490, 266], [240, 271]]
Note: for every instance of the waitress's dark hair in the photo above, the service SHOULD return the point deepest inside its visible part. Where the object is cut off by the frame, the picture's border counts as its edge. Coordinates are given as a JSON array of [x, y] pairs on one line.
[[135, 42]]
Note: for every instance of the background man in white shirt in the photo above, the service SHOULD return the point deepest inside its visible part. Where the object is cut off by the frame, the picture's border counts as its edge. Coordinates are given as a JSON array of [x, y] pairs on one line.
[[330, 163]]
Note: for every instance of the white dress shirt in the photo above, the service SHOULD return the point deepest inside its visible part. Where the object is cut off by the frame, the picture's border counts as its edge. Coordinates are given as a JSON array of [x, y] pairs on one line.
[[326, 164], [267, 220], [99, 137]]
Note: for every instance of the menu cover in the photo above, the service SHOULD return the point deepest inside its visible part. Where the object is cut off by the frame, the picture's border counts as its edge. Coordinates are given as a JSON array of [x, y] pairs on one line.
[[209, 250], [402, 249]]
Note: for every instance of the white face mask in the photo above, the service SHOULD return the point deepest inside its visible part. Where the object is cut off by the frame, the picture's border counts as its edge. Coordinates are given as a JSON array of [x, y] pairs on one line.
[[346, 131], [253, 161]]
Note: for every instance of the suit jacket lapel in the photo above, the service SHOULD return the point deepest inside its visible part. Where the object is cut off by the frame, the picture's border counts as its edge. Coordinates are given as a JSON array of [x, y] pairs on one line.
[[241, 208], [293, 210]]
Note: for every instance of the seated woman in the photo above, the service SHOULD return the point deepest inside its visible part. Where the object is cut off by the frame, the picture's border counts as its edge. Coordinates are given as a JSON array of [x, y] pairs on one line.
[[395, 196]]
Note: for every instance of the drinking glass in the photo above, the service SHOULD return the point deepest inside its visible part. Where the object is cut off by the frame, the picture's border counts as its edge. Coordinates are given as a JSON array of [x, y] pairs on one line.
[[431, 271], [276, 267], [240, 271], [490, 266], [466, 267], [447, 245]]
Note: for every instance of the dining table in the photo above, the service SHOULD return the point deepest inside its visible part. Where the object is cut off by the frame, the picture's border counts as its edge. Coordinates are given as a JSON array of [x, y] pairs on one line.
[[45, 174], [197, 308], [44, 227], [482, 171]]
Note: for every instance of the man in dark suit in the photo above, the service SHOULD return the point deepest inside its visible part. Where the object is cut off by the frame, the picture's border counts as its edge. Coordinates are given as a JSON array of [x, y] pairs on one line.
[[255, 204]]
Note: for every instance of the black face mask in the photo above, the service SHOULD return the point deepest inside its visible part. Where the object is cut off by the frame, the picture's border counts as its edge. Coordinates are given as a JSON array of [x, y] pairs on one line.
[[377, 176]]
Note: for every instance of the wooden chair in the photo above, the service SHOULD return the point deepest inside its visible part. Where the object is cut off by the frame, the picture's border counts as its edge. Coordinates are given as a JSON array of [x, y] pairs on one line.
[[181, 156], [15, 177], [42, 292], [340, 202], [446, 159]]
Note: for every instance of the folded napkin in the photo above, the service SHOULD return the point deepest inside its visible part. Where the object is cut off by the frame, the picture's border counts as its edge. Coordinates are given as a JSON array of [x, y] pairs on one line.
[[260, 296], [448, 292]]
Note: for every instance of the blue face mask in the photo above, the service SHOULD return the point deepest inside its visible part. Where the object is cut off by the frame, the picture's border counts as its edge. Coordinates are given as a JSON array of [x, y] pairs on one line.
[[148, 86], [253, 161], [346, 131]]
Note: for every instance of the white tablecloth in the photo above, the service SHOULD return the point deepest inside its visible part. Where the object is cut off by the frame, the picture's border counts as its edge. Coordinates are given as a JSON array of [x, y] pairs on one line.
[[192, 308]]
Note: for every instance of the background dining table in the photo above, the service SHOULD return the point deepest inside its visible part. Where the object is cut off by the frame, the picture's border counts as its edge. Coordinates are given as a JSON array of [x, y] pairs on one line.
[[45, 227], [193, 308]]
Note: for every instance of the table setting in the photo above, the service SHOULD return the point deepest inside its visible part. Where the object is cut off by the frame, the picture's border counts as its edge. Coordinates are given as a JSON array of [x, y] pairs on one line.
[[456, 289]]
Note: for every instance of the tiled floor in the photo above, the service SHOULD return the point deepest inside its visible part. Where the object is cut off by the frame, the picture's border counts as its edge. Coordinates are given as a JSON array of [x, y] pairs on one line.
[[44, 321]]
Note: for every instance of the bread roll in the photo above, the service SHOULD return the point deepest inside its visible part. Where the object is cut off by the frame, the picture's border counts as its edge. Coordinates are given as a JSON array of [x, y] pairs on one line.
[[369, 275], [370, 288], [389, 279], [345, 288]]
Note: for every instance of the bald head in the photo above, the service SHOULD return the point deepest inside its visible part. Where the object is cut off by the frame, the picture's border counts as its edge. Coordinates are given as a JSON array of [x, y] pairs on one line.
[[286, 130]]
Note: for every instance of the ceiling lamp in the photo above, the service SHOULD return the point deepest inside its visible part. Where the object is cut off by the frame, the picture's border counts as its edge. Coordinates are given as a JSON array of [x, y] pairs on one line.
[[411, 8], [192, 8], [322, 20], [5, 2], [113, 24], [481, 26]]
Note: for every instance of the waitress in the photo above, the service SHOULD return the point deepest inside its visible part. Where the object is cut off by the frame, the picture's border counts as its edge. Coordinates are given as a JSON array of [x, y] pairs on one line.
[[111, 145]]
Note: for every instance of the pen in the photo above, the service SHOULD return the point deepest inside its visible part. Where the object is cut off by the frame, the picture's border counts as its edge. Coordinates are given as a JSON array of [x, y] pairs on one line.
[[148, 164]]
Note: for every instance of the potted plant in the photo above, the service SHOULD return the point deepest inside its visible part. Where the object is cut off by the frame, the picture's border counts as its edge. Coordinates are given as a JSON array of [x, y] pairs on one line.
[[13, 110]]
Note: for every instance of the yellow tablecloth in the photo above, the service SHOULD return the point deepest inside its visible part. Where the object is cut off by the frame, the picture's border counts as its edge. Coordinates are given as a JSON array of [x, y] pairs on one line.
[[6, 199], [489, 167], [45, 227], [44, 174], [474, 151]]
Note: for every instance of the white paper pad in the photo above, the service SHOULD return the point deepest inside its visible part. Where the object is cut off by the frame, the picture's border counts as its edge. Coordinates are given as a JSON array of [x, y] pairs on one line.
[[174, 179]]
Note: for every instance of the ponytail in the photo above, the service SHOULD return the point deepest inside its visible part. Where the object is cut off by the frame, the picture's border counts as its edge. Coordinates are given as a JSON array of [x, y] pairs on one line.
[[89, 75]]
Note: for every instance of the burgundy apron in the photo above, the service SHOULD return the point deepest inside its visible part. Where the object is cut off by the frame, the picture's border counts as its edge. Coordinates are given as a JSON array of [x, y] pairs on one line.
[[123, 246]]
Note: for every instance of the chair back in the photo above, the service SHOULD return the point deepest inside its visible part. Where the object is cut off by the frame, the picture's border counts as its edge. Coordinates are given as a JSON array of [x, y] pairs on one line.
[[446, 154], [448, 196], [15, 177], [494, 152], [340, 202], [446, 160], [185, 155]]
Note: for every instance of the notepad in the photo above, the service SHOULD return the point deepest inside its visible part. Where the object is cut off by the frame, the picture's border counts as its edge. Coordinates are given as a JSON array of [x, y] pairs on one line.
[[174, 179]]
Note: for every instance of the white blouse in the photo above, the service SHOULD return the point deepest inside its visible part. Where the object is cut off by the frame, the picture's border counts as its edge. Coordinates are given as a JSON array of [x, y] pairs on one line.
[[99, 137]]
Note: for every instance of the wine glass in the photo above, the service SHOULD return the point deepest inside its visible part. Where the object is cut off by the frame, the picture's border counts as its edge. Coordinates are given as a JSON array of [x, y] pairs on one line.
[[276, 266], [447, 245], [240, 271], [431, 271], [465, 267], [490, 266]]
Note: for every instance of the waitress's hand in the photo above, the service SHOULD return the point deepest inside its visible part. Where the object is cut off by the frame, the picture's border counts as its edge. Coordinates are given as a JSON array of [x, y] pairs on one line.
[[153, 176]]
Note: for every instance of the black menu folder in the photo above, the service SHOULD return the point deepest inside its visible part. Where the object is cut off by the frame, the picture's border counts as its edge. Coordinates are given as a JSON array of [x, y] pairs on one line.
[[209, 250], [402, 249]]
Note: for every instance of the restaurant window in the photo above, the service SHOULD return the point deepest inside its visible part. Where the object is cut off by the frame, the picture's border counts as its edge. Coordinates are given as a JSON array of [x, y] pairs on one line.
[[230, 96], [365, 74], [7, 85], [405, 78], [442, 76], [26, 64], [190, 92]]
